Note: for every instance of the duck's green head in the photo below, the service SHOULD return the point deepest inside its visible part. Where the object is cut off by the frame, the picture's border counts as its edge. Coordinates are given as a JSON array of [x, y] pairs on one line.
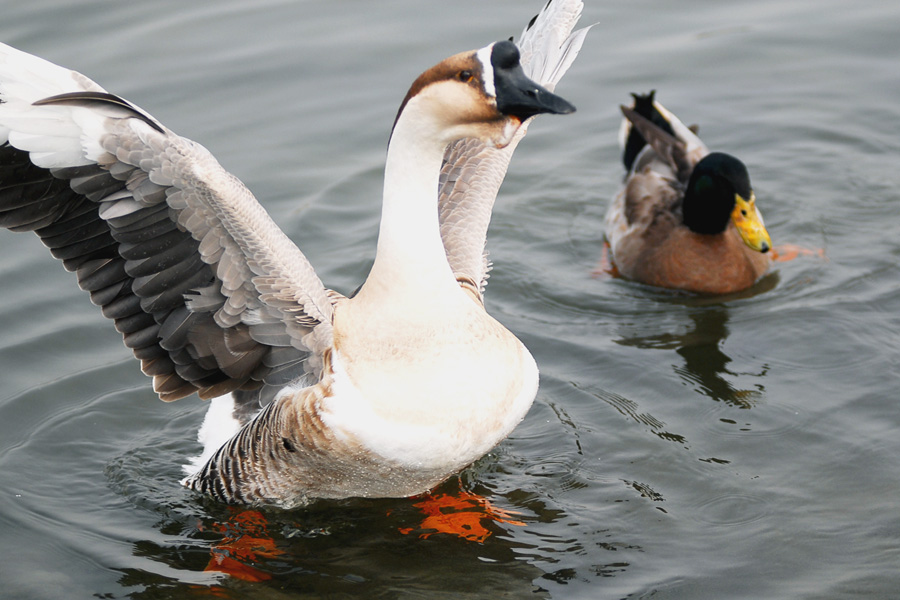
[[719, 190]]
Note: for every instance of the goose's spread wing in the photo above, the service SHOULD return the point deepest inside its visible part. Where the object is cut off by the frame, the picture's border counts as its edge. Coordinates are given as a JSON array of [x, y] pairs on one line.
[[208, 292], [472, 171]]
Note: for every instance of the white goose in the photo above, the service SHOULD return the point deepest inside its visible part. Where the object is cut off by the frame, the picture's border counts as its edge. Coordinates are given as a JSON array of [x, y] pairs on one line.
[[386, 393]]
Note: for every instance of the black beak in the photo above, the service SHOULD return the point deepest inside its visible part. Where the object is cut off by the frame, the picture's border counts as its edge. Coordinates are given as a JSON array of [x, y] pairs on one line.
[[517, 95]]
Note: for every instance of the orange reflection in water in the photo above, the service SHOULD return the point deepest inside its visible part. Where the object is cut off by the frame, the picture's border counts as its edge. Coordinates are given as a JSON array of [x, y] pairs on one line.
[[462, 515], [788, 252], [245, 540]]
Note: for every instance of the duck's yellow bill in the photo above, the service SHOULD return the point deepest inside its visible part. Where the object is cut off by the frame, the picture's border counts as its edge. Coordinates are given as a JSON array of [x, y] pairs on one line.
[[750, 224]]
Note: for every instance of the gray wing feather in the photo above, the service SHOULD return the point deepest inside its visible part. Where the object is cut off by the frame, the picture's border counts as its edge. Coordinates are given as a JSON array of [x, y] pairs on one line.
[[473, 172], [206, 290]]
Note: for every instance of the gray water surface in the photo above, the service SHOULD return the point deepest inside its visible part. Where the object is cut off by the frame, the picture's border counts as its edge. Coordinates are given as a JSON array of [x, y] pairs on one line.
[[679, 447]]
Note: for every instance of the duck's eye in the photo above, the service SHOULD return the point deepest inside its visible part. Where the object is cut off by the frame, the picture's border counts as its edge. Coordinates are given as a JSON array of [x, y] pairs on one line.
[[465, 76], [744, 212]]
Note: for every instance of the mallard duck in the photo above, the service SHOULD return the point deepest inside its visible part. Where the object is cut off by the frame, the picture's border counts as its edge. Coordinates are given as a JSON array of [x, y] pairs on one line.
[[315, 394], [685, 218]]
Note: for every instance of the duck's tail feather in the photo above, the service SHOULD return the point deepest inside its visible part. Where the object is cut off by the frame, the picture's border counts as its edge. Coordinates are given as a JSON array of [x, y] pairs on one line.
[[664, 143], [632, 141], [659, 128]]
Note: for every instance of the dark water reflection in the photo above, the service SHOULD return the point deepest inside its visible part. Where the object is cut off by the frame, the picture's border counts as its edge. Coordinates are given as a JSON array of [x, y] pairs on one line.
[[348, 548], [352, 548], [706, 366]]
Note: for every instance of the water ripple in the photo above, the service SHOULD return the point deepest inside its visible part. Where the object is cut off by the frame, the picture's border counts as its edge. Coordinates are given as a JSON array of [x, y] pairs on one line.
[[771, 419], [731, 510]]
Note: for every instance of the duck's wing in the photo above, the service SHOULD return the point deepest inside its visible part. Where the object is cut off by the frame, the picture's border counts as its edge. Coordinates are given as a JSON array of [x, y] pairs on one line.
[[472, 171], [207, 291], [650, 129], [667, 147], [659, 153]]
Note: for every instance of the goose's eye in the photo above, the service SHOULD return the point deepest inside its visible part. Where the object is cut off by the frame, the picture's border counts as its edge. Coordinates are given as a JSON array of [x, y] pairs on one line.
[[465, 76]]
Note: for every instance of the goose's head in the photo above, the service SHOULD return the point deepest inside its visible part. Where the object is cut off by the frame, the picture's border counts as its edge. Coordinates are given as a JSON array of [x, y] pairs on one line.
[[481, 93]]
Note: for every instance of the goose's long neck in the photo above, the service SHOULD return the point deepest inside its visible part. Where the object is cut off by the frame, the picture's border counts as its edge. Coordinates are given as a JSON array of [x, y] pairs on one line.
[[410, 258]]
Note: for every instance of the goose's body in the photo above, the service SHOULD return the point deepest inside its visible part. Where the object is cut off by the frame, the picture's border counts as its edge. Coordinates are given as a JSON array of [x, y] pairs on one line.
[[386, 393], [685, 218]]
